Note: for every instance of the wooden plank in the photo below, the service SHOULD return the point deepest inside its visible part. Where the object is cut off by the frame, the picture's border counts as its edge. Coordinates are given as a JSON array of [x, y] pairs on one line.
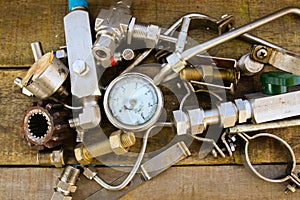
[[15, 151], [206, 182], [22, 22]]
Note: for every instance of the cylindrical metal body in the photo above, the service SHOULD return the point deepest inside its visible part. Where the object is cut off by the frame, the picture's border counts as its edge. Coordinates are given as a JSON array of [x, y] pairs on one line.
[[36, 50], [46, 76]]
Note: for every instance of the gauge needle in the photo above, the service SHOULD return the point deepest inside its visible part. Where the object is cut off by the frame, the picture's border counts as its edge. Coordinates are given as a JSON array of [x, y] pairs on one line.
[[128, 108]]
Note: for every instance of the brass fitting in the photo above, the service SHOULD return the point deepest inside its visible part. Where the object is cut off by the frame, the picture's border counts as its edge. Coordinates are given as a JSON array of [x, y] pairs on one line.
[[121, 141], [66, 184], [203, 74], [82, 155], [56, 158]]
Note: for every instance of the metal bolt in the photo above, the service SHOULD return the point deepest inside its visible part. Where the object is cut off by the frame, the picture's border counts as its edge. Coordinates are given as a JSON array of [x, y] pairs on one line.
[[128, 54], [79, 67], [232, 147], [290, 188], [262, 53], [214, 153]]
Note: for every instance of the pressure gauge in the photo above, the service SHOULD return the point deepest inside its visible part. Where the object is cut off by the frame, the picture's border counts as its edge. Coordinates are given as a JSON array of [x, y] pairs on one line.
[[133, 102]]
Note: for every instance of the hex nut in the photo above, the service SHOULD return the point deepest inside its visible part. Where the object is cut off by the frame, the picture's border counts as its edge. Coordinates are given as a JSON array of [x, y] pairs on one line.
[[90, 172], [228, 114], [116, 144], [65, 188], [208, 73], [243, 110], [104, 47], [59, 196], [82, 155], [197, 124], [181, 122], [153, 33], [57, 158]]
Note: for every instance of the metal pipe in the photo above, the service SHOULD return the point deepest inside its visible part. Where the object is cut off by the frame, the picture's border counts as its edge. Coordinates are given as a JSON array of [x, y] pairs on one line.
[[36, 50], [137, 164], [259, 127], [237, 32]]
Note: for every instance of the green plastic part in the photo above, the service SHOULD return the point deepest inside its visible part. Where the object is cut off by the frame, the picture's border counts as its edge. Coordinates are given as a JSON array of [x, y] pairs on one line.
[[278, 82]]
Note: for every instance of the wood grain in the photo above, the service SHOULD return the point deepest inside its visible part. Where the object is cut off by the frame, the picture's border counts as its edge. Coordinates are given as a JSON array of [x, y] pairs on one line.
[[23, 22], [26, 21], [205, 182], [15, 150]]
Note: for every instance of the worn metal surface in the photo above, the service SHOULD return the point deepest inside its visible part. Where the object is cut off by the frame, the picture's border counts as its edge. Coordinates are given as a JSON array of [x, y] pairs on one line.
[[25, 21]]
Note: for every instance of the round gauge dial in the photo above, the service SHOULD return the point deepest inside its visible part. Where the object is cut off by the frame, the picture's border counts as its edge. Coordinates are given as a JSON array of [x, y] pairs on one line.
[[133, 102]]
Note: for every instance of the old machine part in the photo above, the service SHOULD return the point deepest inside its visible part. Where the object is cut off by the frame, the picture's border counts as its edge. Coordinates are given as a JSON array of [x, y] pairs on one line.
[[260, 55], [66, 184], [83, 71], [57, 158], [277, 82], [96, 144], [288, 62], [90, 174], [46, 125], [45, 77], [164, 160], [290, 176], [133, 102], [150, 169], [177, 61], [258, 108], [244, 128]]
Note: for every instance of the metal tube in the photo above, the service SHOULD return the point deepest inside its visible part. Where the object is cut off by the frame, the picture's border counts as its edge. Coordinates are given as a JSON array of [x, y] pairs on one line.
[[137, 164], [237, 32], [257, 40], [36, 50], [259, 127]]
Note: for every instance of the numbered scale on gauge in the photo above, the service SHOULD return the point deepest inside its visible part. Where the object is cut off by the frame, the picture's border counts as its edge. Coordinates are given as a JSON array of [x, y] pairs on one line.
[[133, 102]]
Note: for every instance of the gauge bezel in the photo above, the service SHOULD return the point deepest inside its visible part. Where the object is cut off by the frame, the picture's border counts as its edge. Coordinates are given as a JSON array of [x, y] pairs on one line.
[[140, 127]]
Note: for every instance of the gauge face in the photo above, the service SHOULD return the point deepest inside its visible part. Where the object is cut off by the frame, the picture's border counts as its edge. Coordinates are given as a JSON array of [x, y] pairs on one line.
[[133, 102]]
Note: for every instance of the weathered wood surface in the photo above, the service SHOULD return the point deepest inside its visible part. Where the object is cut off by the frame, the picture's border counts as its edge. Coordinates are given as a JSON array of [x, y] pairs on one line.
[[15, 150], [25, 21], [22, 22], [205, 182]]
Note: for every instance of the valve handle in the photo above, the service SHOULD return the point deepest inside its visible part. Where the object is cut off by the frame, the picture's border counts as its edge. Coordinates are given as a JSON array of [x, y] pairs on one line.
[[278, 82], [72, 4]]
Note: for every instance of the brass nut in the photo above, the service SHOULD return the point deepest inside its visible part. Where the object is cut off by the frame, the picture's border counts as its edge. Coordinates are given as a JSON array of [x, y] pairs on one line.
[[120, 144], [82, 156]]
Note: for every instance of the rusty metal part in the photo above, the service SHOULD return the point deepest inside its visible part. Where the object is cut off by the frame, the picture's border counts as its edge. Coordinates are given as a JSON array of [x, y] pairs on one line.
[[56, 158], [46, 125], [66, 184]]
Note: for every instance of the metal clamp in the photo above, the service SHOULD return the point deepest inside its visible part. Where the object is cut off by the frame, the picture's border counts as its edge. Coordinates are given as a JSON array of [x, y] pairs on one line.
[[291, 174]]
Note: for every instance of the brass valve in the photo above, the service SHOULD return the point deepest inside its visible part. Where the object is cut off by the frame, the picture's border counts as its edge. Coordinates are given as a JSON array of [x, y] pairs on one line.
[[119, 142]]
